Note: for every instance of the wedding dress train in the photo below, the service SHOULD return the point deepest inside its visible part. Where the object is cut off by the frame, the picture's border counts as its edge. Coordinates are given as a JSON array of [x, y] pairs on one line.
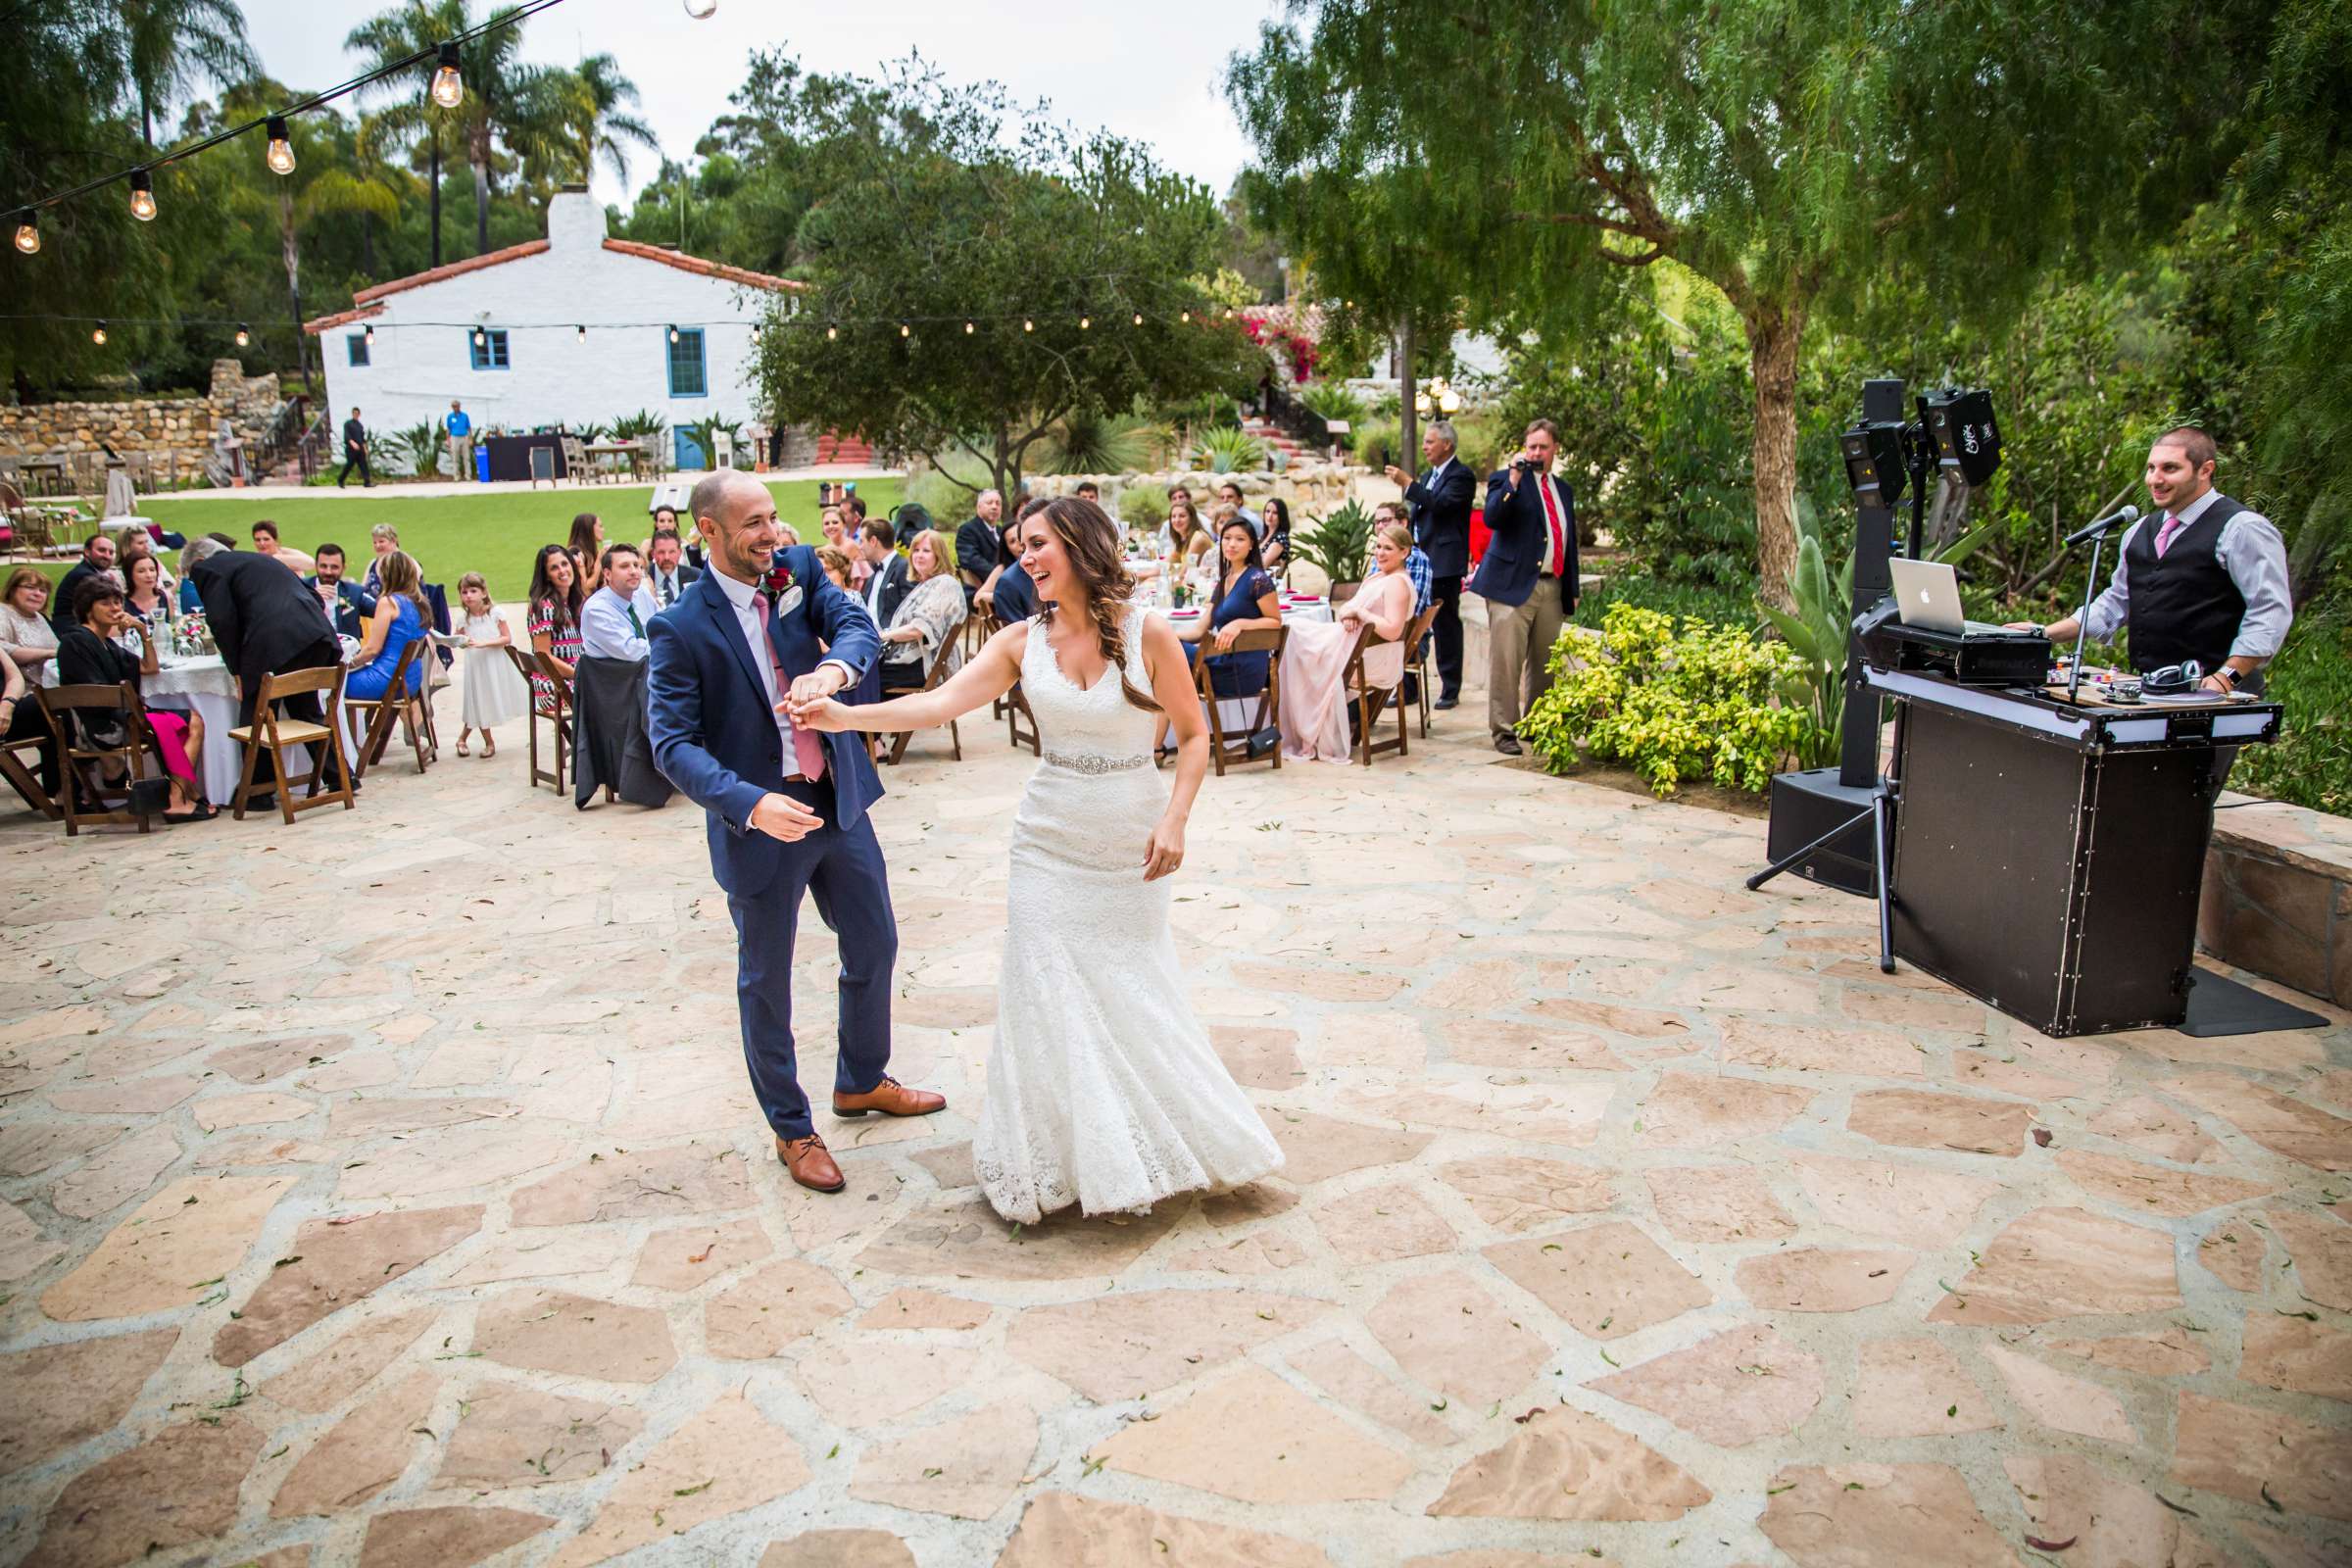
[[1102, 1090]]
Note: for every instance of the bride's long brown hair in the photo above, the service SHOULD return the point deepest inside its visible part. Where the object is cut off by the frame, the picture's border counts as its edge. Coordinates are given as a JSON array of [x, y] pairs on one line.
[[1092, 542]]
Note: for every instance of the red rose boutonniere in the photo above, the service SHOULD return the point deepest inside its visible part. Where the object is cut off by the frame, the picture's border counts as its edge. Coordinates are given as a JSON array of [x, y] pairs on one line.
[[778, 580]]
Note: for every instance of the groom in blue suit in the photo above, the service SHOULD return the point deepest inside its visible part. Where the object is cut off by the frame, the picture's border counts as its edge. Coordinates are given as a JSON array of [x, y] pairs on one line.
[[787, 807]]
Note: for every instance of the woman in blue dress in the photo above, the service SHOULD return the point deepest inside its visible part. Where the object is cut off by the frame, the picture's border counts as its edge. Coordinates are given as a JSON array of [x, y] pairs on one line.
[[1246, 601], [399, 620]]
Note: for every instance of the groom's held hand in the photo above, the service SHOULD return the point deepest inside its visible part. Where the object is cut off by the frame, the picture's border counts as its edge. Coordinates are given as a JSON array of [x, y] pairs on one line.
[[822, 682], [782, 818]]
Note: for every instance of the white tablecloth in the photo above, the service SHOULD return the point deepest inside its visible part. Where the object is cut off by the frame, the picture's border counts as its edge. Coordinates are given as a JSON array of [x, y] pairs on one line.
[[203, 685]]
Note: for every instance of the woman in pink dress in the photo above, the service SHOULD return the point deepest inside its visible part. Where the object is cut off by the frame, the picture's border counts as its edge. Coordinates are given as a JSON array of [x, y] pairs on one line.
[[1314, 656]]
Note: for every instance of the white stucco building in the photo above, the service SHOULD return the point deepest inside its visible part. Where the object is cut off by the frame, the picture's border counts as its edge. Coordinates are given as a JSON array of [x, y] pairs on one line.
[[574, 327]]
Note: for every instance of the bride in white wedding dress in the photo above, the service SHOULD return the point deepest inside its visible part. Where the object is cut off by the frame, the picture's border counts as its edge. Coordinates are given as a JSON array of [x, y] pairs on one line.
[[1102, 1090]]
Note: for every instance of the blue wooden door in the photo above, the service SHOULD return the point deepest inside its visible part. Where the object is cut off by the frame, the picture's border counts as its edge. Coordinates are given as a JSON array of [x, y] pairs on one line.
[[690, 450]]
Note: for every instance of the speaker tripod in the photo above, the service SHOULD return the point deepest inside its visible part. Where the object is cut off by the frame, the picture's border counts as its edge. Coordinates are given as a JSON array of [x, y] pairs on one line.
[[1885, 794]]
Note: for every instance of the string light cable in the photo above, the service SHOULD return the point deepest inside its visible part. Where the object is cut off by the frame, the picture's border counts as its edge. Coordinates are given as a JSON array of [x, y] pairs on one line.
[[282, 159]]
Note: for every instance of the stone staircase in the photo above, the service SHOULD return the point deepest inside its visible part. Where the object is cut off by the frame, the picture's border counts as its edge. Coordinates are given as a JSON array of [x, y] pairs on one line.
[[834, 449], [1272, 436]]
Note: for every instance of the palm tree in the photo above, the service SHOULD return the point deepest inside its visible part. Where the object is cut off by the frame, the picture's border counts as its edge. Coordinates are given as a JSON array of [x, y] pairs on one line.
[[395, 35], [505, 100], [604, 127], [168, 44]]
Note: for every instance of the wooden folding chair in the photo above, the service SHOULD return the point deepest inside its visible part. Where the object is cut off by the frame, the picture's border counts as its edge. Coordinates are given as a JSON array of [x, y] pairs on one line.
[[79, 764], [1369, 702], [529, 664], [22, 779], [1013, 707], [932, 679], [397, 704], [1416, 659], [1225, 750], [273, 732]]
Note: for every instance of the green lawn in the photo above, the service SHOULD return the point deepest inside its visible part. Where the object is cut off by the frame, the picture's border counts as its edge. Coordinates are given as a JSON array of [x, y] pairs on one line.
[[496, 535]]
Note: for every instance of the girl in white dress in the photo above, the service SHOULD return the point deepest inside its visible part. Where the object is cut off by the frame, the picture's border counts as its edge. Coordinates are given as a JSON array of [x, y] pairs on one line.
[[1102, 1090], [494, 693]]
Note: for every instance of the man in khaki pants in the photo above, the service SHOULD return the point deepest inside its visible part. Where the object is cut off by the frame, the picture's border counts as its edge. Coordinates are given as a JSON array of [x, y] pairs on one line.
[[1527, 578]]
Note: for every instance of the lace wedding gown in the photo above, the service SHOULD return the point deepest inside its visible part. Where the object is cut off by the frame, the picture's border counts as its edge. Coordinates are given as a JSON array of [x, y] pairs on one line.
[[1102, 1090]]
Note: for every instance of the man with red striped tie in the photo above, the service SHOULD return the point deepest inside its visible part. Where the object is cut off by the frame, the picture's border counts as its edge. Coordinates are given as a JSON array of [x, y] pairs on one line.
[[1527, 578]]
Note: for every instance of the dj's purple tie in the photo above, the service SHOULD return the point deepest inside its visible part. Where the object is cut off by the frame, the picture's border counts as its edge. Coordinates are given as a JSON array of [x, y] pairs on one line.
[[2164, 535]]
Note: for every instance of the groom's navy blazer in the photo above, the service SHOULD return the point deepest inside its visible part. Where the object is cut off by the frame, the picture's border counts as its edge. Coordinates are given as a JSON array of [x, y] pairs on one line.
[[714, 735]]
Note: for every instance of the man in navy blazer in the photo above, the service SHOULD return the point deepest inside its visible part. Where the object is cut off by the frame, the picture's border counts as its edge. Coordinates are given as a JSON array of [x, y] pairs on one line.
[[1441, 500], [787, 807], [1527, 577]]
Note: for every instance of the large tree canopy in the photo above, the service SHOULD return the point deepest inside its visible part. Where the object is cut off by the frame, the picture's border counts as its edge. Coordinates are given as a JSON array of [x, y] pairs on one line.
[[1792, 153], [978, 275]]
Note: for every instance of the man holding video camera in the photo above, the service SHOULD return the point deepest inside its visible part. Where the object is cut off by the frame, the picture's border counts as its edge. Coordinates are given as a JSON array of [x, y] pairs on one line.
[[1527, 578], [2202, 579]]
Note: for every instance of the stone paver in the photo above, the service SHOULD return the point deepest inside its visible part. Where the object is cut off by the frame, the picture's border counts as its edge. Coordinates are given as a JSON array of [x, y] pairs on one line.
[[418, 1213]]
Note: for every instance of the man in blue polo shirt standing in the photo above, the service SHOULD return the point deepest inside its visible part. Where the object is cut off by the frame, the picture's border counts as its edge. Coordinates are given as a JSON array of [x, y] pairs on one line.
[[460, 429]]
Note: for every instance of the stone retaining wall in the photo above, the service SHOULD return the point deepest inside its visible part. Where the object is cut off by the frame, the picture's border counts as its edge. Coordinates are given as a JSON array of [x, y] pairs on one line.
[[2277, 896], [181, 427]]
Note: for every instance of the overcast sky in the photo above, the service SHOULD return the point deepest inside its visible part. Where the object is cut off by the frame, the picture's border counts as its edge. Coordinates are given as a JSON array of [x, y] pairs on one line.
[[1147, 71]]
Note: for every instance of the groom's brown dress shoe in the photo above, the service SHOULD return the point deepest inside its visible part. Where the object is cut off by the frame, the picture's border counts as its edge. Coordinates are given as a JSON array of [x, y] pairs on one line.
[[810, 1164], [891, 1097]]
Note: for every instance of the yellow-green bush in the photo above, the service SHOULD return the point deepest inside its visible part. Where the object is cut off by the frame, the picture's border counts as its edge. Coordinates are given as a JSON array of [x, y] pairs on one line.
[[1673, 704]]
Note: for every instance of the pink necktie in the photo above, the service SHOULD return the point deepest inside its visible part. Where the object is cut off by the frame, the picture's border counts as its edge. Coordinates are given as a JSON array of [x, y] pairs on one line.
[[2164, 535], [808, 751]]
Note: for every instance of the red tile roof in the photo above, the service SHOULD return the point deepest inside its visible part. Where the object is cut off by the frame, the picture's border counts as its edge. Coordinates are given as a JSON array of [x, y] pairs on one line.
[[472, 263], [327, 323], [696, 264]]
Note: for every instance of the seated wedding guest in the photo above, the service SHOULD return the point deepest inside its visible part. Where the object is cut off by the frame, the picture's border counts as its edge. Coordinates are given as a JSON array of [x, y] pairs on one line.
[[347, 605], [264, 621], [1009, 594], [836, 563], [1244, 599], [264, 542], [979, 542], [612, 619], [135, 544], [1416, 563], [97, 556], [1230, 493], [494, 693], [587, 548], [1088, 490], [143, 595], [842, 534], [88, 656], [922, 628], [1183, 536], [1315, 660], [27, 637], [553, 618], [668, 576], [16, 694], [1274, 530], [400, 617], [383, 538], [29, 647], [889, 580]]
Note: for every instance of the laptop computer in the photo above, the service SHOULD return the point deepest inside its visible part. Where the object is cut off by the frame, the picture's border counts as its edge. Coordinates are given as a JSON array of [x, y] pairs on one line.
[[1927, 593]]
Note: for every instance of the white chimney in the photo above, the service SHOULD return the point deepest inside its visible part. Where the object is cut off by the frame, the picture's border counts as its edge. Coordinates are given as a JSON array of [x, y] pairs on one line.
[[575, 220]]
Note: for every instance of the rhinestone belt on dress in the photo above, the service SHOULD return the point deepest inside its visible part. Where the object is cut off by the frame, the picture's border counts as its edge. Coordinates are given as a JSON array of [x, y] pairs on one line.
[[1094, 762]]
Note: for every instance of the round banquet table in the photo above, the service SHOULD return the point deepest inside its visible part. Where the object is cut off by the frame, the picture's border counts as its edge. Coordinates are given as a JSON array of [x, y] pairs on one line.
[[202, 684]]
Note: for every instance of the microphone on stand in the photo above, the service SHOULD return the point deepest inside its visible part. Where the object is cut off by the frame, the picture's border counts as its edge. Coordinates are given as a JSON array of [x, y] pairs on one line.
[[2122, 518]]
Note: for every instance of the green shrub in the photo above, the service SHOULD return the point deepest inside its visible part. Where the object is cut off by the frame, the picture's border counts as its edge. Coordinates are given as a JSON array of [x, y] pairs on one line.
[[1379, 434], [1144, 505], [1673, 706], [1331, 400], [1222, 450], [417, 445], [1338, 541], [939, 495], [1700, 600], [2311, 762]]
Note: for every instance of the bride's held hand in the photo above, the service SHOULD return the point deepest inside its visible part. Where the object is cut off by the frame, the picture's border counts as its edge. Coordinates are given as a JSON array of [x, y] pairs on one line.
[[822, 714], [1165, 852]]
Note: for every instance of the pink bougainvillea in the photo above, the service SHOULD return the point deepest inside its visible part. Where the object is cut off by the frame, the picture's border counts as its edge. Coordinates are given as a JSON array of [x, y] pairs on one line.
[[1289, 336]]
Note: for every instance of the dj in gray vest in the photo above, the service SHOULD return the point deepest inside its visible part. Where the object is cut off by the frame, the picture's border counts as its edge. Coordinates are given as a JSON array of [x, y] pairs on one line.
[[2201, 577]]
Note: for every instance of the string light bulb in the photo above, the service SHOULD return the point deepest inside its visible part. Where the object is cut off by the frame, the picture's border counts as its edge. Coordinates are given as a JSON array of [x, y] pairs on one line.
[[142, 196], [1186, 316], [702, 9], [449, 88], [481, 339], [754, 331], [1028, 326], [368, 336], [281, 147], [1085, 321], [244, 335], [29, 232], [967, 330], [581, 332], [1138, 317], [673, 334], [832, 334], [904, 331], [98, 334]]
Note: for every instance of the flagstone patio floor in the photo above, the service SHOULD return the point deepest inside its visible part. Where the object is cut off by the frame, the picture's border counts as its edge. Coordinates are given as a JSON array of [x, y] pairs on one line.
[[386, 1190]]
